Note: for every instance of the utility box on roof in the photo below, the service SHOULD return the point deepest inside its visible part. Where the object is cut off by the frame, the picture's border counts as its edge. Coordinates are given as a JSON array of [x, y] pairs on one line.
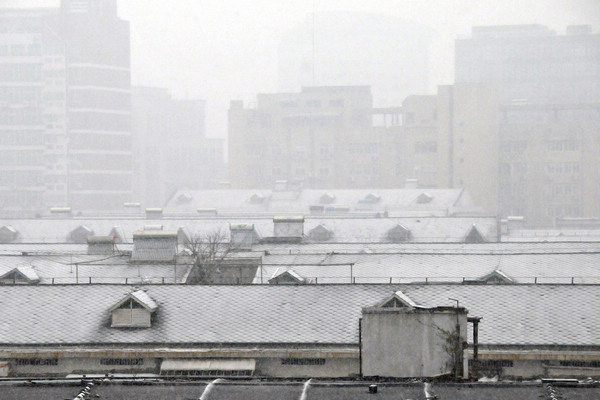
[[243, 236], [401, 339], [288, 227]]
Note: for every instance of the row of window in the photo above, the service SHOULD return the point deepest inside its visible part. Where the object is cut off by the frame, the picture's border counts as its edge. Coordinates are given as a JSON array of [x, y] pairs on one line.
[[566, 168], [303, 361], [20, 116], [20, 72], [311, 103], [563, 211], [21, 50], [21, 157], [21, 137]]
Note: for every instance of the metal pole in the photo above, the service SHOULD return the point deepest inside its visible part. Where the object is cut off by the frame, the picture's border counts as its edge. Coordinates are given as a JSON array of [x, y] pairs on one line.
[[458, 350]]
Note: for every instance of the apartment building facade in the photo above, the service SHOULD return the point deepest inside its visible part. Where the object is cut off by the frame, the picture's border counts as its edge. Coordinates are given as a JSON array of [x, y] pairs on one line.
[[549, 94], [332, 138], [65, 115]]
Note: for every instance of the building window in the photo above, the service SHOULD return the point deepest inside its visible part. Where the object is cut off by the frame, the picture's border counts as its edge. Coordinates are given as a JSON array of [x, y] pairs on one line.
[[303, 361]]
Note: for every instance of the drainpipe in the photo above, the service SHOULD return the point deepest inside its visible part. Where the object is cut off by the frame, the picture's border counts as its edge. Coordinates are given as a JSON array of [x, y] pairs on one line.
[[475, 322], [360, 372]]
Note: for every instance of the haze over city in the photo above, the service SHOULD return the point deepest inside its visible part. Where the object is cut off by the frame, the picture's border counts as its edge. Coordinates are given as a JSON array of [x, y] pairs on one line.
[[225, 50], [304, 199]]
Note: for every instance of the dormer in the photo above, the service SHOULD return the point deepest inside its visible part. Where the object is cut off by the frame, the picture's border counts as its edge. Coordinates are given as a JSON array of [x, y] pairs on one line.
[[256, 198], [320, 233], [289, 277], [8, 234], [424, 198], [24, 275], [371, 198], [398, 300], [496, 277], [133, 311], [117, 234], [474, 236], [327, 198], [398, 234], [184, 198], [80, 234]]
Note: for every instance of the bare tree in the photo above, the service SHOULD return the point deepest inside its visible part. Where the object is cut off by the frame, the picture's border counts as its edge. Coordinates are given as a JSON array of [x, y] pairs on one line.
[[208, 250]]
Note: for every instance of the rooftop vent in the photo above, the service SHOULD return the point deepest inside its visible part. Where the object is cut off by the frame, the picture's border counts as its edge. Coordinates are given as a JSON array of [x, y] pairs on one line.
[[100, 245], [243, 236], [288, 227], [207, 212], [154, 213], [154, 246], [153, 227]]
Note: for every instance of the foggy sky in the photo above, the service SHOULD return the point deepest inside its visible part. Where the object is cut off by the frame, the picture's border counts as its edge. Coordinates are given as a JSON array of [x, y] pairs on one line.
[[220, 50]]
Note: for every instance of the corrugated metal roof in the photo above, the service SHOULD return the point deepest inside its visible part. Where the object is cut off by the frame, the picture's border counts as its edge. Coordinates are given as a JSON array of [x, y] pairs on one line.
[[405, 201], [72, 269], [345, 229], [328, 314], [565, 266]]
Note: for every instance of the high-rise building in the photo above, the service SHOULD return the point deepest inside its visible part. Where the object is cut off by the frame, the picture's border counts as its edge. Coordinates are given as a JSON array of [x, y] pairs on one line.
[[171, 150], [65, 108], [549, 91]]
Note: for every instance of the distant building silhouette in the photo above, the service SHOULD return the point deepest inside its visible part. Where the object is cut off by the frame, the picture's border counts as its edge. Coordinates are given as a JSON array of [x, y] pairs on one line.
[[171, 150], [549, 92]]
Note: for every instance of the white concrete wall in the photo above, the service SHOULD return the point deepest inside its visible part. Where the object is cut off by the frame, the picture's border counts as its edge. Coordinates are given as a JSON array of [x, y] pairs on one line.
[[63, 366], [397, 343], [331, 368]]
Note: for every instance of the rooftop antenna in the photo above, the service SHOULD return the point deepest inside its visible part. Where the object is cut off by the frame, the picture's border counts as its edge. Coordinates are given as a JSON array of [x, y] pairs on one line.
[[313, 43]]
